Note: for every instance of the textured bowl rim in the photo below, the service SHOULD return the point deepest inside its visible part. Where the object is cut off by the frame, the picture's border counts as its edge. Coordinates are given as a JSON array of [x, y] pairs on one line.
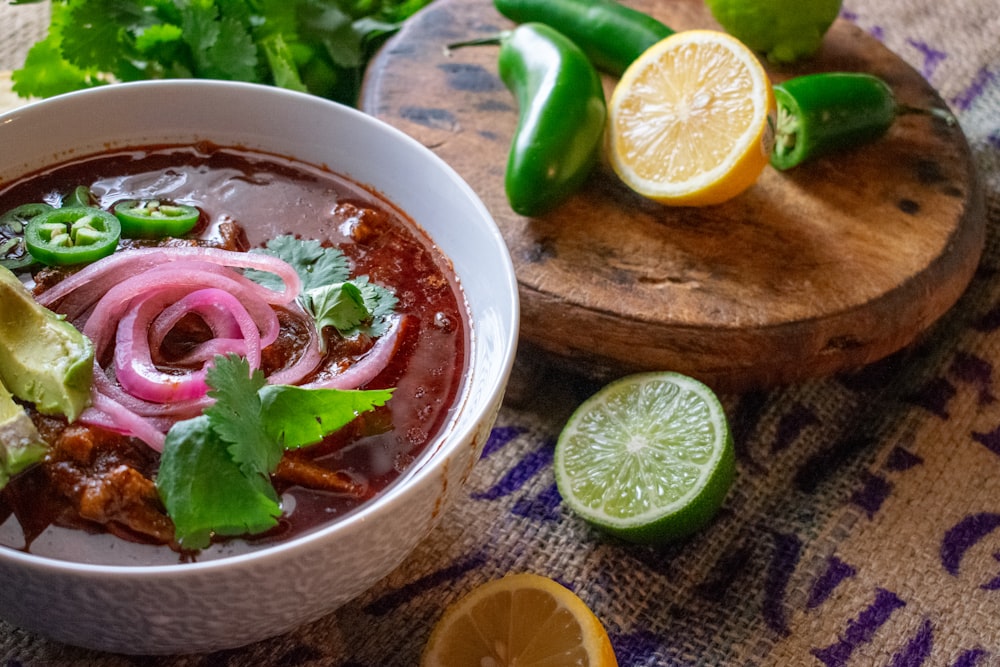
[[461, 426]]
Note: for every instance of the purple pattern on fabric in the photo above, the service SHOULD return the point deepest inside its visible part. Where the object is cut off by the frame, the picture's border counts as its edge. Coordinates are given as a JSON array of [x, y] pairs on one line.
[[825, 464], [993, 584], [544, 507], [964, 535], [970, 658], [791, 426], [636, 648], [860, 630], [524, 470], [932, 57], [500, 437], [917, 649], [836, 572], [900, 459], [994, 139], [975, 371], [990, 439], [727, 569], [743, 423], [968, 97], [934, 397], [991, 320], [787, 550], [390, 601], [870, 497]]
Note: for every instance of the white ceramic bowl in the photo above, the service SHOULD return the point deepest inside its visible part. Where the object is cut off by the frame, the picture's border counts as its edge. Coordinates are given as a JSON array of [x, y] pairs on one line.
[[240, 599]]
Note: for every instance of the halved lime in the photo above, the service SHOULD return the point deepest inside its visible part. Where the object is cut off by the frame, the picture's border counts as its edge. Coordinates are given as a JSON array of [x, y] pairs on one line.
[[648, 458]]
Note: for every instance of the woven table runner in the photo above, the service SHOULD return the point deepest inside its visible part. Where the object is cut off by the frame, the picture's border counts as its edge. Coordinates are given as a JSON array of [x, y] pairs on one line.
[[863, 527]]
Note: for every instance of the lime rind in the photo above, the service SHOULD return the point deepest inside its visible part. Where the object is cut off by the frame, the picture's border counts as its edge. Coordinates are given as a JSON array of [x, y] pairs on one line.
[[649, 457], [786, 31]]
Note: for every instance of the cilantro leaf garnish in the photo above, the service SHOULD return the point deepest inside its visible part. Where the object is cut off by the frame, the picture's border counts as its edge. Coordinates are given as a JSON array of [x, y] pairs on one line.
[[206, 492], [317, 266], [298, 417], [214, 476], [341, 305], [350, 305], [236, 415], [382, 304]]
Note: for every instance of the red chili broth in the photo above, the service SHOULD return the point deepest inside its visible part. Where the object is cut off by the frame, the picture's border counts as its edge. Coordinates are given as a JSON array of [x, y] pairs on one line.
[[268, 196]]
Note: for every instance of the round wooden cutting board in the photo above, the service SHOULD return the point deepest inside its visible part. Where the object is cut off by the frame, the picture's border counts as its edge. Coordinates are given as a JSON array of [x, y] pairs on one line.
[[812, 271]]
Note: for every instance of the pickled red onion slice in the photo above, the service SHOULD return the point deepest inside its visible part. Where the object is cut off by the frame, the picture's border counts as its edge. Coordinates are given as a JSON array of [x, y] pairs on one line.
[[78, 292], [106, 413], [134, 366], [179, 277], [128, 305], [366, 368]]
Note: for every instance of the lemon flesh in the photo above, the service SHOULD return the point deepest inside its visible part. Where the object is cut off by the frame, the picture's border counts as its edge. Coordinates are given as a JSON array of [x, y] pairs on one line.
[[691, 121], [521, 619]]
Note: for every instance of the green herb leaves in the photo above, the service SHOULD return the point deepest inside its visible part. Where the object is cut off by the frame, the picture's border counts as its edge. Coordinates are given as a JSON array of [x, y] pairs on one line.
[[317, 266], [205, 492], [351, 306], [215, 469], [317, 46]]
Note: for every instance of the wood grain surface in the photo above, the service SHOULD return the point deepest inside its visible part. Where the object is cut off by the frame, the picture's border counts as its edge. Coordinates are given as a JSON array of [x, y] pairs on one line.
[[824, 268]]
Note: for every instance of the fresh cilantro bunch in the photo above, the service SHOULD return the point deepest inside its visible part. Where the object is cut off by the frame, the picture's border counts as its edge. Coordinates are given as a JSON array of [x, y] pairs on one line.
[[214, 476], [316, 46]]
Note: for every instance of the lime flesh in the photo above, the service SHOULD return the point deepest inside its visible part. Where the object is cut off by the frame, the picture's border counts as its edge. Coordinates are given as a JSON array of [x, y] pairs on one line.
[[648, 458]]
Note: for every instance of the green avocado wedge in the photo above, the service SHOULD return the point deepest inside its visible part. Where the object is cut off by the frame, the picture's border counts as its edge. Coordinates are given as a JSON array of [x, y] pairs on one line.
[[44, 359], [21, 446]]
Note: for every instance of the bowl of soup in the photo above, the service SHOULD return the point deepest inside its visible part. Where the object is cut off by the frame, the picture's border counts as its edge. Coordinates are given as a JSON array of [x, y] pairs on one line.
[[295, 348]]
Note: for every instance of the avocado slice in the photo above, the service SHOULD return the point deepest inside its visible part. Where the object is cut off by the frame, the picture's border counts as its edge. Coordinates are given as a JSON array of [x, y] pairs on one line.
[[44, 359], [20, 443]]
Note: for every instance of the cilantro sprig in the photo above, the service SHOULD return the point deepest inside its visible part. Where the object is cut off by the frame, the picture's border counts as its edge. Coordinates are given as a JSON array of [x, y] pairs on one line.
[[350, 305], [214, 476], [317, 46]]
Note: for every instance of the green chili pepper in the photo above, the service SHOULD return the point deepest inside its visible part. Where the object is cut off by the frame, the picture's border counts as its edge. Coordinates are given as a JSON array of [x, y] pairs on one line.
[[560, 120], [13, 252], [611, 34], [72, 235], [822, 113], [153, 218], [80, 196]]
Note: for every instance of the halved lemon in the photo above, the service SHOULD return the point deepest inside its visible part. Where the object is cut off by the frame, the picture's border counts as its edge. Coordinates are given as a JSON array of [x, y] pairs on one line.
[[691, 121], [523, 619]]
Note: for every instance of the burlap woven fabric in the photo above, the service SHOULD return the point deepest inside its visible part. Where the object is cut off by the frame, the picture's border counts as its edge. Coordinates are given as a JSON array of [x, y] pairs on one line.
[[864, 524]]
